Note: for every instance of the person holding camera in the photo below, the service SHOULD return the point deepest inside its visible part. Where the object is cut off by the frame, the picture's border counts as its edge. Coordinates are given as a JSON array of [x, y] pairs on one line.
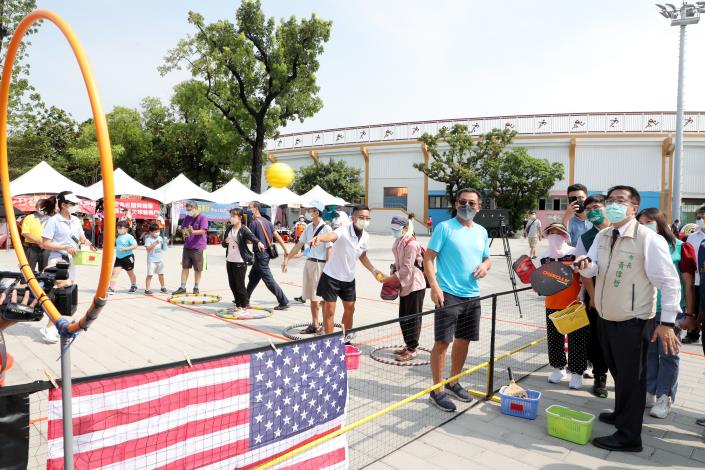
[[63, 235], [575, 218], [265, 233]]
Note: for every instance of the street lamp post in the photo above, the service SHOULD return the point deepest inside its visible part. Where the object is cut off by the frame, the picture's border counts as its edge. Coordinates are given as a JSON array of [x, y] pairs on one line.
[[687, 14]]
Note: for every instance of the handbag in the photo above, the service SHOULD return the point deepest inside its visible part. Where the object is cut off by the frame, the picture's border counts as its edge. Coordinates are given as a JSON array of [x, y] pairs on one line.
[[419, 265], [271, 249]]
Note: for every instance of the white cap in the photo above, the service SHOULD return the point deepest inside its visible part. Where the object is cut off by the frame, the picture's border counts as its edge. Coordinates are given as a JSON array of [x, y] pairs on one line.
[[315, 204], [71, 197]]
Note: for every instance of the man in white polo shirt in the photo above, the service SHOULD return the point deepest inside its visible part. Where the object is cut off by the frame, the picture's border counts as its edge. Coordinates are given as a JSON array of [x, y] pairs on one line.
[[316, 258], [338, 278]]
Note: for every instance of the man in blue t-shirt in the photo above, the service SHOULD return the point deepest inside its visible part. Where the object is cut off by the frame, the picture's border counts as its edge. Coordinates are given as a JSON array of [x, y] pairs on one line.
[[461, 251]]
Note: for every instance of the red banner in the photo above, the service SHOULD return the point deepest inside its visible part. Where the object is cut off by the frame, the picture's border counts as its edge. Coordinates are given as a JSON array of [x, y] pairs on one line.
[[139, 208]]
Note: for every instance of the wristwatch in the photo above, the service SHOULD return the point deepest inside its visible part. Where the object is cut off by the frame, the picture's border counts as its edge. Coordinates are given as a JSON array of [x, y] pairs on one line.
[[665, 323]]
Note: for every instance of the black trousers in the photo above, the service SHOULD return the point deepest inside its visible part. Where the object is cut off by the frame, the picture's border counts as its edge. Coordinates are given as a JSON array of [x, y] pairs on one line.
[[695, 334], [577, 347], [236, 279], [625, 345], [260, 272], [37, 257], [594, 351], [411, 329]]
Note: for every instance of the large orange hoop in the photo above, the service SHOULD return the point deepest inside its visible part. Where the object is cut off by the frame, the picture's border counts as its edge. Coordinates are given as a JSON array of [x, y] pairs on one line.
[[65, 325]]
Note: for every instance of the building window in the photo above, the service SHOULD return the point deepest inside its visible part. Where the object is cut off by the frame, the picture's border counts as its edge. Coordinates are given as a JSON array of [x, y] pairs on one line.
[[556, 204], [395, 197], [542, 204], [438, 202]]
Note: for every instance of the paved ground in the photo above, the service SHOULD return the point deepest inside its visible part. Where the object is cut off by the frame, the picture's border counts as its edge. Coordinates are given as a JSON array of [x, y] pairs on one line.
[[136, 331]]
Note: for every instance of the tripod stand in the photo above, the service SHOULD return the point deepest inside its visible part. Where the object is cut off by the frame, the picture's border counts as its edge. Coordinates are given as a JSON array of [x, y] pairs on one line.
[[503, 233]]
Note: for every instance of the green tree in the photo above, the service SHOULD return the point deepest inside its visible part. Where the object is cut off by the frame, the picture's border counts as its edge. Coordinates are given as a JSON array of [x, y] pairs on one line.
[[453, 159], [258, 74], [335, 177], [24, 99], [517, 180]]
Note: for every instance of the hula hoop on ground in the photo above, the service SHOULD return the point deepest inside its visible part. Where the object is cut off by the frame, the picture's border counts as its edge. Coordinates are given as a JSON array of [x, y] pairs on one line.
[[200, 299], [289, 330], [392, 362], [259, 312]]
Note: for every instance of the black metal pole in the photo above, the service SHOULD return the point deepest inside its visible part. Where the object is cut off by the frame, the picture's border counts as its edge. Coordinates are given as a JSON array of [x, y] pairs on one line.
[[490, 367]]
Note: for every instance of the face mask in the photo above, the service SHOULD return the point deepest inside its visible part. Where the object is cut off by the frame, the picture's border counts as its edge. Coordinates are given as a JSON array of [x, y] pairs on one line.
[[73, 209], [701, 223], [596, 216], [362, 224], [466, 213], [122, 231], [651, 225], [234, 220], [397, 233], [308, 217], [616, 212], [557, 245], [192, 213]]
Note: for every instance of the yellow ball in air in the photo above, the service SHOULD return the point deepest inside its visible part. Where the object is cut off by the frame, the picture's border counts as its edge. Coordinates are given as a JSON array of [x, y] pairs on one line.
[[279, 175]]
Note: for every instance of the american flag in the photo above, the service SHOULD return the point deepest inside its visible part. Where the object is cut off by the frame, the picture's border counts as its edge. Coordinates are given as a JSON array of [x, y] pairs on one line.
[[238, 412]]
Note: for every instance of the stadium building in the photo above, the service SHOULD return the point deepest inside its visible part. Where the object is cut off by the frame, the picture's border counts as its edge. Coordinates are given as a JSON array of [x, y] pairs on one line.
[[596, 149]]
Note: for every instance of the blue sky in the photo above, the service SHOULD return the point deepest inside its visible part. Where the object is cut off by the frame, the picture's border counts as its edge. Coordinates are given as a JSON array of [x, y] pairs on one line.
[[394, 60]]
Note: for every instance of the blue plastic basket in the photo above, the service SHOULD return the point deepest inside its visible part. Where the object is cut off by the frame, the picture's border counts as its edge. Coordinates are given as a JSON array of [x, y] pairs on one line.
[[526, 408]]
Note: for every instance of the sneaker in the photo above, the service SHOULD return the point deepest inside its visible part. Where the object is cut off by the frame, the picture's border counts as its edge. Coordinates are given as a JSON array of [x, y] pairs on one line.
[[132, 290], [50, 335], [300, 300], [441, 401], [196, 291], [282, 307], [690, 339], [179, 291], [588, 375], [348, 338], [399, 351], [111, 291], [599, 388], [650, 400], [407, 355], [458, 392], [662, 407], [163, 290], [576, 381], [148, 292], [320, 331], [309, 330], [557, 376]]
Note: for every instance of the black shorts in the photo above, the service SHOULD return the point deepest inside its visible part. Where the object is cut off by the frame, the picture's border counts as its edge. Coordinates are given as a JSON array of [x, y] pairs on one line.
[[127, 263], [330, 289], [458, 319]]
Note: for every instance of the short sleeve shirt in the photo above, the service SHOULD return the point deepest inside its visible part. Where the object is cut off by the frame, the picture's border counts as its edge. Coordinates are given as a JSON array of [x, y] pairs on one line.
[[124, 241], [460, 251], [62, 231], [154, 256], [318, 252], [256, 228], [196, 242], [533, 228], [33, 225], [347, 249], [576, 227]]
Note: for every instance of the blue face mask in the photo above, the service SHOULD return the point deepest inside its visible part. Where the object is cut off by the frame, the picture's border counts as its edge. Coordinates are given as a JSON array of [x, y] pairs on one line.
[[616, 212], [651, 225]]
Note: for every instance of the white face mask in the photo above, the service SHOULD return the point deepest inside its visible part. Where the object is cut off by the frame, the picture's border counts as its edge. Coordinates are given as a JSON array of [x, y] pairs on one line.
[[362, 224], [192, 213], [701, 223], [397, 233], [234, 220], [557, 245], [73, 209]]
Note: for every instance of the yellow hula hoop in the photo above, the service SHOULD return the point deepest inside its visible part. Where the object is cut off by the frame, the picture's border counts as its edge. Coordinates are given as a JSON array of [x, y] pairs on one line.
[[178, 299], [64, 324], [229, 313]]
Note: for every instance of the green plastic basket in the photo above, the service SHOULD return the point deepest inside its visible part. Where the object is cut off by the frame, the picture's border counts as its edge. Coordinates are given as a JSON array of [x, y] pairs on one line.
[[570, 425]]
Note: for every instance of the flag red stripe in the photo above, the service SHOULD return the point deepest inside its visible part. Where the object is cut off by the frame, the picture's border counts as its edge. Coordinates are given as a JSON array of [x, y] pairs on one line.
[[134, 380], [320, 461], [227, 452], [130, 414], [137, 447]]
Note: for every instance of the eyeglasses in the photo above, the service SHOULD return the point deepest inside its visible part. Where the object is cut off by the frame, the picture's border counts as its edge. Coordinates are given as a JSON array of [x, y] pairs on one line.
[[465, 202], [618, 200]]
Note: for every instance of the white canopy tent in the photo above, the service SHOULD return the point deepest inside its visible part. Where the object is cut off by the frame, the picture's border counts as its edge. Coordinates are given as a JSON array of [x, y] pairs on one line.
[[43, 179], [276, 197], [182, 188], [125, 184], [319, 194], [233, 192]]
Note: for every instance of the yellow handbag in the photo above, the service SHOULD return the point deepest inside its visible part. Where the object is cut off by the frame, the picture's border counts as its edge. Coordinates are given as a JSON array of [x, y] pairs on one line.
[[571, 318]]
